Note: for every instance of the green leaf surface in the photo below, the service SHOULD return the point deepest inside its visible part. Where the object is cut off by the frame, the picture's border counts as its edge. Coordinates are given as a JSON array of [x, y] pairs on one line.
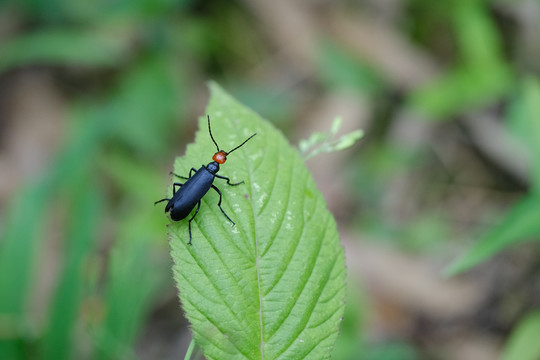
[[520, 223], [273, 286], [523, 343]]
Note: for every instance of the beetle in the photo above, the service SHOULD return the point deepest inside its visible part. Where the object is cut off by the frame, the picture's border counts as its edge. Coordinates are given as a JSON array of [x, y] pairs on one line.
[[187, 195]]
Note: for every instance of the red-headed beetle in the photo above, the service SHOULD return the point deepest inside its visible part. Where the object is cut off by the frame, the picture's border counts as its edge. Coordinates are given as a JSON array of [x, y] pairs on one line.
[[192, 191]]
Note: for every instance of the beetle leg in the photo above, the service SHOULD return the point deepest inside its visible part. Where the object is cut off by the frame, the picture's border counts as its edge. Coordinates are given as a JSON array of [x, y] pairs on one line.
[[183, 177], [229, 180], [175, 185], [193, 217], [174, 191], [162, 200], [178, 176], [219, 205]]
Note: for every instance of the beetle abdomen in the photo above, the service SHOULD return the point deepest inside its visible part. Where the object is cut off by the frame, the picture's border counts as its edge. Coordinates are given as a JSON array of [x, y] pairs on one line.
[[191, 192]]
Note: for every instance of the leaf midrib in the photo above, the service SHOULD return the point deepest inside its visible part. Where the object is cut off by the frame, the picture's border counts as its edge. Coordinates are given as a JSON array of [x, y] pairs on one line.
[[250, 173], [256, 238]]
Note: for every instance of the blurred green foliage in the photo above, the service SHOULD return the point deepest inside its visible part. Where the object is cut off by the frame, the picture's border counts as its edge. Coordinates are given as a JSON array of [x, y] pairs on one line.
[[521, 221], [523, 344], [116, 141], [480, 74]]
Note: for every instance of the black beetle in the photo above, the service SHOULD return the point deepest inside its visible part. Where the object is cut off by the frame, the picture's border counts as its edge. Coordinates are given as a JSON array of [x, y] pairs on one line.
[[192, 191]]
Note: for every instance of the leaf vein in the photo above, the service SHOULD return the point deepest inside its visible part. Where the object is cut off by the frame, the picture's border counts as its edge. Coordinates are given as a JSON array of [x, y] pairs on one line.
[[209, 339], [289, 258], [273, 236], [310, 311], [315, 345], [221, 295]]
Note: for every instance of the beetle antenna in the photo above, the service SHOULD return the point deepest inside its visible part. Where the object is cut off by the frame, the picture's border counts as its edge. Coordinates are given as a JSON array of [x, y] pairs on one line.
[[245, 141], [210, 131]]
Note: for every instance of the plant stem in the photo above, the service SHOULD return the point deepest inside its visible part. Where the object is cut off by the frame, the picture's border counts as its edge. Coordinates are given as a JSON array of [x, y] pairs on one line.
[[190, 350]]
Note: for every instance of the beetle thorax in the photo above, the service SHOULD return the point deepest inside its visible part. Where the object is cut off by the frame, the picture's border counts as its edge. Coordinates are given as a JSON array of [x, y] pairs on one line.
[[213, 167]]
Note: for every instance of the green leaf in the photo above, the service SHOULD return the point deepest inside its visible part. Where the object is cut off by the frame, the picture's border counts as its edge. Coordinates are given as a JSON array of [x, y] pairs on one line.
[[523, 343], [336, 125], [476, 33], [460, 89], [146, 102], [19, 248], [347, 140], [524, 119], [520, 223], [273, 286], [341, 69], [315, 139], [63, 47], [320, 142], [480, 77], [86, 207]]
